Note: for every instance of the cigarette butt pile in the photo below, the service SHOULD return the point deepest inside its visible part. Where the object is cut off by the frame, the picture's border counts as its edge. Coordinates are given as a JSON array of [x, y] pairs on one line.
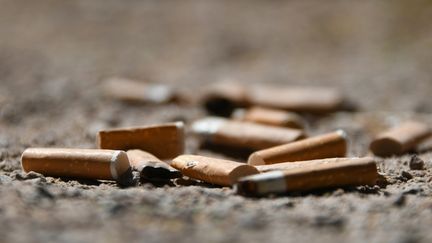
[[262, 119]]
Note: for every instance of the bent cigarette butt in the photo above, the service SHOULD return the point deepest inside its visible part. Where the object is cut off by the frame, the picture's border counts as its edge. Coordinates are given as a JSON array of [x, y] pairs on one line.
[[338, 174], [211, 170], [165, 141], [400, 139], [133, 91], [150, 167], [243, 134], [269, 116], [77, 163], [300, 164], [328, 145]]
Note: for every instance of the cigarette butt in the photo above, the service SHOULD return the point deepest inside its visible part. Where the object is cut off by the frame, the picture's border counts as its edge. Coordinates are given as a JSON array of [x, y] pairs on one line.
[[138, 92], [339, 174], [223, 97], [328, 145], [216, 171], [77, 163], [150, 167], [424, 145], [400, 139], [269, 116], [165, 141], [247, 135], [300, 99], [300, 164]]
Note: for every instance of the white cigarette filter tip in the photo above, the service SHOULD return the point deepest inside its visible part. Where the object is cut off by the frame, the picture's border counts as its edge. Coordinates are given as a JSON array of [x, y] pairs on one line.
[[207, 126]]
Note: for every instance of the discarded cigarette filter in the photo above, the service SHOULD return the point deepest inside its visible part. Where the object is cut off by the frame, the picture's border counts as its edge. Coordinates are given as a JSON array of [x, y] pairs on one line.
[[300, 164], [400, 139], [300, 99], [227, 95], [268, 116], [222, 98], [77, 163], [338, 174], [319, 147], [164, 141], [133, 91], [243, 134], [150, 167], [211, 170]]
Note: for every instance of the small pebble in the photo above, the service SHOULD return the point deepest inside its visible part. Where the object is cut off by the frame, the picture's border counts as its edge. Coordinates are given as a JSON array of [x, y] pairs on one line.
[[400, 200], [416, 163], [406, 175]]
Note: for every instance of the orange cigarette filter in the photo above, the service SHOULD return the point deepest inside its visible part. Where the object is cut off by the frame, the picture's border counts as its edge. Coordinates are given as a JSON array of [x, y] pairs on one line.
[[338, 174], [165, 141], [400, 139], [77, 163], [300, 164], [300, 99], [137, 92], [329, 145], [269, 116], [293, 98], [150, 167], [247, 135], [215, 171]]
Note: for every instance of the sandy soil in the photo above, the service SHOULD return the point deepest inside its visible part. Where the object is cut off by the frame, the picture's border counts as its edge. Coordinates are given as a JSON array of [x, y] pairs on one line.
[[55, 54]]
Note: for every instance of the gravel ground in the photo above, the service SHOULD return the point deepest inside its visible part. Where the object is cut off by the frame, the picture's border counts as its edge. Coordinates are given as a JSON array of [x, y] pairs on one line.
[[55, 54]]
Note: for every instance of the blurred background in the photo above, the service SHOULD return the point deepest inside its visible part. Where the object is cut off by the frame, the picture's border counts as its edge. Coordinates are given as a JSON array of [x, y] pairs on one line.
[[55, 55], [376, 51]]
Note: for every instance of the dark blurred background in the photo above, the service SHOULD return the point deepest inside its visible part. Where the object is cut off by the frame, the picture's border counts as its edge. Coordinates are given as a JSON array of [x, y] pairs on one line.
[[377, 51]]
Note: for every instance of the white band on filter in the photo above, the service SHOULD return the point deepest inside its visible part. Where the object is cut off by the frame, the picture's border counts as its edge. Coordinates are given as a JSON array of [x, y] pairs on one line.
[[342, 133], [207, 126], [113, 164], [270, 182], [158, 93]]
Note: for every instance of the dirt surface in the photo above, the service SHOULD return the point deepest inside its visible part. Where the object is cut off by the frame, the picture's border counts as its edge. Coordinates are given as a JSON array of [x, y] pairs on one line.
[[55, 54]]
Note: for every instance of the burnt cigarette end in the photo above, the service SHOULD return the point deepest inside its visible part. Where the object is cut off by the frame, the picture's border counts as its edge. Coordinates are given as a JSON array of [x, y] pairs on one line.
[[126, 179], [150, 167], [219, 106], [157, 174]]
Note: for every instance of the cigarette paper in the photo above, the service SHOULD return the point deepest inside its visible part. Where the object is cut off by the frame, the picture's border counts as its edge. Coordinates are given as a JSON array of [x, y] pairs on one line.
[[150, 167]]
